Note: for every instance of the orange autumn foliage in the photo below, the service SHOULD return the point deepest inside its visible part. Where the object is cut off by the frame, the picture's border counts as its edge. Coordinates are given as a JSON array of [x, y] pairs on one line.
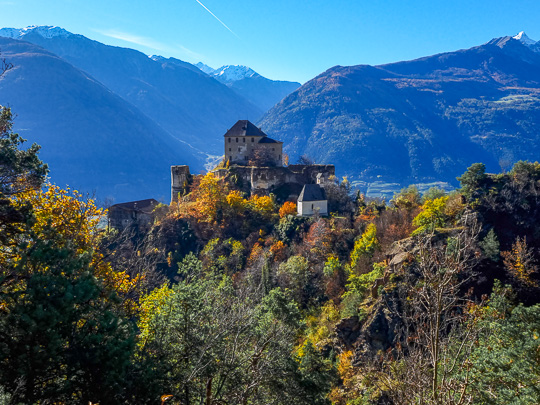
[[278, 251], [288, 208]]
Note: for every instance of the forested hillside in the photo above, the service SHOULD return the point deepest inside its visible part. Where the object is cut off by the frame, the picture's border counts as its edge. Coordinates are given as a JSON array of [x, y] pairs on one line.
[[233, 299]]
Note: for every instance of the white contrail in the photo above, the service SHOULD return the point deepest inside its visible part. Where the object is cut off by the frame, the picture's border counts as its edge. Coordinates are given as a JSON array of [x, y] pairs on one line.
[[216, 17]]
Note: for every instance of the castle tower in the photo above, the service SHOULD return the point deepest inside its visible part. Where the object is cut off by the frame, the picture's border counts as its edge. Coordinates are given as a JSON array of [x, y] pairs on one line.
[[244, 142], [179, 181]]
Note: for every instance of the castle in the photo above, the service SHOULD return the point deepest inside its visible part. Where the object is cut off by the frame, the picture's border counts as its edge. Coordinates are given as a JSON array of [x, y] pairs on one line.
[[246, 144], [254, 164]]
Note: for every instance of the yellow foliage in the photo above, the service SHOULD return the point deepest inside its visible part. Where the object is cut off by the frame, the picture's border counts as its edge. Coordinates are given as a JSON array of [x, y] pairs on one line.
[[237, 248], [75, 220], [454, 205], [66, 211], [278, 251], [365, 246], [264, 204], [209, 198], [432, 215], [320, 327], [345, 364], [520, 262], [236, 202], [150, 305]]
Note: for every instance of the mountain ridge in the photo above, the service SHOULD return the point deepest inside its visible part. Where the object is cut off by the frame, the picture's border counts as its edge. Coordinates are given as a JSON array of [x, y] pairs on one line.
[[83, 151], [423, 120]]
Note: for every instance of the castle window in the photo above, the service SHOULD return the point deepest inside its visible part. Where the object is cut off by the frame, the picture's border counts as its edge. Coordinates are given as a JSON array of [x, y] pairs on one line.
[[236, 140], [230, 149], [244, 140], [252, 139], [229, 140], [273, 149], [239, 149]]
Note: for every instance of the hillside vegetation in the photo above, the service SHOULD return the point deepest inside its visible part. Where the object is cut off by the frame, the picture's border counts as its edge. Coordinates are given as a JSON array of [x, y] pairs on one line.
[[233, 299]]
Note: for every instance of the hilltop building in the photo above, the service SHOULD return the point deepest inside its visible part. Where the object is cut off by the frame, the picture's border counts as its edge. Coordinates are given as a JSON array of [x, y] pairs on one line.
[[254, 164], [133, 213], [312, 200], [246, 144]]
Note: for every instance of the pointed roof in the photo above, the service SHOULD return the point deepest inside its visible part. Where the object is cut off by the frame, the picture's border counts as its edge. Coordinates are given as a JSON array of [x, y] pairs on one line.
[[244, 128], [312, 192]]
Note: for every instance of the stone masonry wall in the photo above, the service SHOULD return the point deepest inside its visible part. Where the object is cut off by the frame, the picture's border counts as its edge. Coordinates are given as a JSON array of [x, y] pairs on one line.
[[285, 181], [180, 177]]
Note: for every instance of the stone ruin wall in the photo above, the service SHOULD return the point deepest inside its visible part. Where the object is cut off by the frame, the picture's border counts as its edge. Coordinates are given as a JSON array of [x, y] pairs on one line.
[[180, 177], [258, 180], [264, 180]]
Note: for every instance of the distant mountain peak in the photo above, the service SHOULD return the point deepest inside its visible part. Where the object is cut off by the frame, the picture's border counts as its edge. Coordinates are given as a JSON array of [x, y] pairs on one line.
[[523, 38], [46, 31], [233, 73], [205, 68], [228, 73]]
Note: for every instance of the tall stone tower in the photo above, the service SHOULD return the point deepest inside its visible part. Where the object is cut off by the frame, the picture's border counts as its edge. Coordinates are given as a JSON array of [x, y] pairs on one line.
[[179, 181]]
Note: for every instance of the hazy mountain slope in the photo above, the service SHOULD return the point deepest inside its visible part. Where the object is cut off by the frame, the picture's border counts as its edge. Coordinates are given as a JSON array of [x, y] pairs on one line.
[[91, 138], [420, 120], [187, 103], [263, 92]]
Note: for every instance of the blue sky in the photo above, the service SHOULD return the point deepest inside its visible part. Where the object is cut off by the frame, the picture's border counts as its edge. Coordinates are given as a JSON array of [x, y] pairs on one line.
[[283, 39]]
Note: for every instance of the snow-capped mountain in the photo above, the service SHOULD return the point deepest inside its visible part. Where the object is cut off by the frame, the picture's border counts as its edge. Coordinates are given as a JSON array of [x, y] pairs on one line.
[[261, 91], [121, 106], [233, 73], [524, 39], [42, 30], [228, 73], [528, 42]]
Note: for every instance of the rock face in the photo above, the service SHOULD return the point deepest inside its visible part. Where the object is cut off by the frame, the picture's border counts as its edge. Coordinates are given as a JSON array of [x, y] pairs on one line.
[[378, 333], [348, 330]]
